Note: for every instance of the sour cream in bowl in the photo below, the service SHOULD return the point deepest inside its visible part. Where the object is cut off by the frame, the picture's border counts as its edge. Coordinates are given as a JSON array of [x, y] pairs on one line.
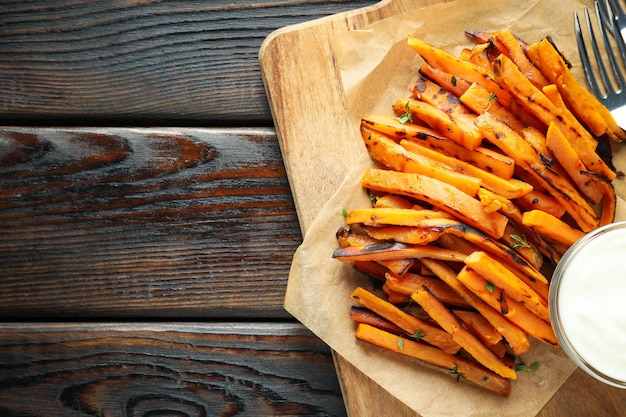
[[588, 303]]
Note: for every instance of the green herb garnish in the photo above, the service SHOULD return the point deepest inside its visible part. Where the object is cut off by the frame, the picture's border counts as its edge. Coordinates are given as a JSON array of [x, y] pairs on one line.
[[418, 335], [372, 198], [522, 367], [519, 241], [455, 371], [406, 117]]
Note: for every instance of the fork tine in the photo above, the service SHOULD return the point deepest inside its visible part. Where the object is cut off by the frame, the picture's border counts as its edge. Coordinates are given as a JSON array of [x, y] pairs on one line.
[[584, 58], [619, 42], [607, 7], [604, 75], [609, 51], [612, 92], [612, 16], [615, 7]]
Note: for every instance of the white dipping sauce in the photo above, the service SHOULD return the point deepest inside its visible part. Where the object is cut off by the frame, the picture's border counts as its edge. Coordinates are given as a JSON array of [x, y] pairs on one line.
[[588, 303]]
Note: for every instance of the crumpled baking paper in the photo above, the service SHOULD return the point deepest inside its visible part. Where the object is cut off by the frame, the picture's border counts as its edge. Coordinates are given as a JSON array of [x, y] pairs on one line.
[[377, 67]]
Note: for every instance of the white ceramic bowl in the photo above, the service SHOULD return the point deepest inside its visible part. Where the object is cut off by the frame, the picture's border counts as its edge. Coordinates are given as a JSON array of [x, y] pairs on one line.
[[588, 303]]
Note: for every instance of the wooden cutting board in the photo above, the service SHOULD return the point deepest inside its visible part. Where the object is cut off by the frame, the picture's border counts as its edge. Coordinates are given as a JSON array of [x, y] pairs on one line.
[[308, 106]]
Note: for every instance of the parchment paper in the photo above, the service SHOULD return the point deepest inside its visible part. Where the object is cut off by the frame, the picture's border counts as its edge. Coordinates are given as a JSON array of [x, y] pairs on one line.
[[377, 67]]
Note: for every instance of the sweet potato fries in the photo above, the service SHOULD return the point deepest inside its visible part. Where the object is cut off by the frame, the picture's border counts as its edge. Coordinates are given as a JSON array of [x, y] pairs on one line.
[[488, 171]]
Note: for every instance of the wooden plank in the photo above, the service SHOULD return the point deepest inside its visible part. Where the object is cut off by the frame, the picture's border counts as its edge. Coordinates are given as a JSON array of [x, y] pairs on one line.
[[128, 63], [282, 55], [584, 396], [144, 223], [192, 369]]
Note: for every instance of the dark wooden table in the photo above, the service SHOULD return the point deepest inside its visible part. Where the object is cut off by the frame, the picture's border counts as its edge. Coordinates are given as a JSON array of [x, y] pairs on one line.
[[146, 222]]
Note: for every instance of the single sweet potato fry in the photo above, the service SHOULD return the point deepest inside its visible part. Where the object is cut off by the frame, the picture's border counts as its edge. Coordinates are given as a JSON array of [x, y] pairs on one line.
[[385, 251], [497, 273], [393, 201], [397, 266], [452, 83], [377, 216], [433, 356], [404, 234], [430, 92], [537, 200], [367, 316], [609, 203], [552, 227], [372, 269]]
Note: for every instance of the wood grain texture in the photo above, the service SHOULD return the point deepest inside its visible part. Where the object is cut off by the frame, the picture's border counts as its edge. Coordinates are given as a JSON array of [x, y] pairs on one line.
[[289, 57], [96, 62], [282, 73], [175, 369], [583, 396], [144, 223], [363, 397]]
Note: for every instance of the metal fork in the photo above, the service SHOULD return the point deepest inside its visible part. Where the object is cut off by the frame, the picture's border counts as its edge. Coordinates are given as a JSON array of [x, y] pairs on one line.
[[611, 93]]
